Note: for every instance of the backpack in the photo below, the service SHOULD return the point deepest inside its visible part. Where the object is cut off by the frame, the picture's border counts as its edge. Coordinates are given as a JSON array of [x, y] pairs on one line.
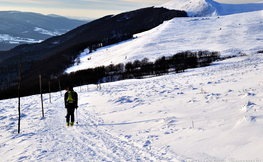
[[70, 97]]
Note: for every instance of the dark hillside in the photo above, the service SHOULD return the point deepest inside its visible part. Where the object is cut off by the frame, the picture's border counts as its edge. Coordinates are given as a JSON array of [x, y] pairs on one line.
[[51, 57]]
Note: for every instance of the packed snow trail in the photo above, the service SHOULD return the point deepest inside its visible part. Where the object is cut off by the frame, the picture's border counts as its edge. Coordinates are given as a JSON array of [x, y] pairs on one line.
[[207, 113], [49, 139]]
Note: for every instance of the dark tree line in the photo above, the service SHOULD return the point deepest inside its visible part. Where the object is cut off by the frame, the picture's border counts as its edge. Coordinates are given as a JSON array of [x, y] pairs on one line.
[[178, 63], [136, 69], [140, 68]]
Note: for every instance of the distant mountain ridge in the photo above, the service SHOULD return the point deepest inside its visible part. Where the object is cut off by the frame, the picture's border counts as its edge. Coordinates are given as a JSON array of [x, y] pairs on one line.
[[26, 27], [204, 8]]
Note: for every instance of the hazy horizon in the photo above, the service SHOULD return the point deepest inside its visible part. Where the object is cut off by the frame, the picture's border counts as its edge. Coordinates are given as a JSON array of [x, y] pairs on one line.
[[87, 9]]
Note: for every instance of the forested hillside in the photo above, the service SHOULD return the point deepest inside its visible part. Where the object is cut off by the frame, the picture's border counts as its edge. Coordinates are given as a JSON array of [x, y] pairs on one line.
[[51, 57]]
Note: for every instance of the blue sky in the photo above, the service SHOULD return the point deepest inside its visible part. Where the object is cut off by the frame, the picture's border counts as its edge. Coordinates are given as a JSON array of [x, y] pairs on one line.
[[87, 8]]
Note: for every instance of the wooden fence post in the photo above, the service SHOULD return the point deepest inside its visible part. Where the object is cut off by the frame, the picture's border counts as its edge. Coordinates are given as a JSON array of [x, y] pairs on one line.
[[41, 96], [19, 86]]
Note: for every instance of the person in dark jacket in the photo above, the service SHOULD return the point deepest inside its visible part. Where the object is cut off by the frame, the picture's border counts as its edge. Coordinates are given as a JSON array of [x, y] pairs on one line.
[[71, 103]]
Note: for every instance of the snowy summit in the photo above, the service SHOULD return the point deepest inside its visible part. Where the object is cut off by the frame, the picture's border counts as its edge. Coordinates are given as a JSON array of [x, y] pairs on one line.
[[204, 8]]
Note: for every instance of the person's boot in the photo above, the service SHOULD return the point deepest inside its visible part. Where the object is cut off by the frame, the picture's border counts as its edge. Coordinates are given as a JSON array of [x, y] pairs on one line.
[[72, 123], [67, 123]]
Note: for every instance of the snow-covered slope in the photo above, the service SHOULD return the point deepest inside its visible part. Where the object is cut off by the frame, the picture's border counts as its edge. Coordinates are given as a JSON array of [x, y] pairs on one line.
[[206, 114], [203, 8], [230, 35], [16, 40]]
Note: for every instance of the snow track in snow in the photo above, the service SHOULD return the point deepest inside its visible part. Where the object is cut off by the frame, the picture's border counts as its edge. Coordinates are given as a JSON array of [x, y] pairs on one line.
[[52, 140]]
